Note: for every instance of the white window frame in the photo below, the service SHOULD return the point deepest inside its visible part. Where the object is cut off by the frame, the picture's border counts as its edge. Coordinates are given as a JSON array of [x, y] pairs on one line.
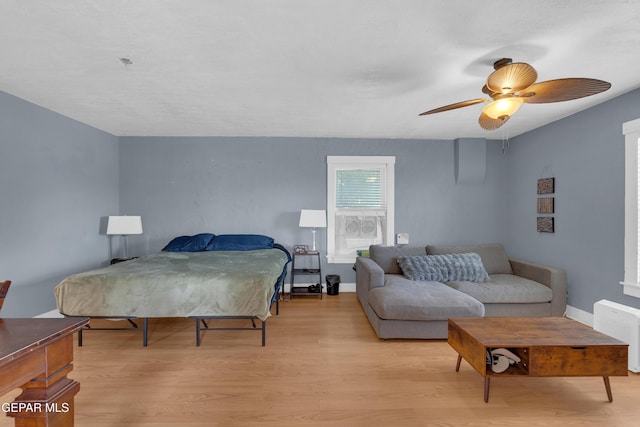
[[631, 282], [357, 162]]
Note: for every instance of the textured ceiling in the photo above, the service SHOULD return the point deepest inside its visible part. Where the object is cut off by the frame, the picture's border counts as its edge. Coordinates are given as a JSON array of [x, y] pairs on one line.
[[317, 68]]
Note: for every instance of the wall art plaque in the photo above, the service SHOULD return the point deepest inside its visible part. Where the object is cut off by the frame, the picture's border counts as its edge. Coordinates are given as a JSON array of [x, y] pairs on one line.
[[546, 185], [546, 224]]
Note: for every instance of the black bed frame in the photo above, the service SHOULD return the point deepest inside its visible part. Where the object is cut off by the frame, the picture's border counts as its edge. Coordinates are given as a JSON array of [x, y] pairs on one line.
[[145, 320], [274, 298], [134, 327], [206, 327]]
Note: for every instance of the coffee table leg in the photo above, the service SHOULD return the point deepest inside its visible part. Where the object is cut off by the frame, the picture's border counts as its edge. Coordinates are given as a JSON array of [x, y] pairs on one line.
[[458, 364], [607, 385], [486, 389]]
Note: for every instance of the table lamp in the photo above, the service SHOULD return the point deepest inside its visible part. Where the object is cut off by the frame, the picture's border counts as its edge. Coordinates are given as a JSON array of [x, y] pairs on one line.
[[313, 219], [123, 226]]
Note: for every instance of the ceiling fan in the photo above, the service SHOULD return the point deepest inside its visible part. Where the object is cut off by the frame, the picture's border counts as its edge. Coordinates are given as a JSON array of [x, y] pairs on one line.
[[513, 83]]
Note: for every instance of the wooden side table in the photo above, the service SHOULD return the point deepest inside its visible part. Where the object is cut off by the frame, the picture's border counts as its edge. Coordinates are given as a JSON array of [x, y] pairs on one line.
[[36, 355]]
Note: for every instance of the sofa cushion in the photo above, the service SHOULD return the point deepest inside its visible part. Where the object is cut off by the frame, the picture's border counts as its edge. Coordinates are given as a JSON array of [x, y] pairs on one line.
[[493, 256], [505, 288], [404, 299], [386, 256], [444, 268]]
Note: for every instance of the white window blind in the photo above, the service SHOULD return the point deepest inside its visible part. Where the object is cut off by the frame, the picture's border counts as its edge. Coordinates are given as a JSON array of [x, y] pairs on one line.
[[360, 188], [360, 208]]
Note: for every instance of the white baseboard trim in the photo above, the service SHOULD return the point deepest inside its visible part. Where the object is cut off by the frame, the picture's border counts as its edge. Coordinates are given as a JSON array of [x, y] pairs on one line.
[[579, 315], [347, 287], [50, 314], [572, 312]]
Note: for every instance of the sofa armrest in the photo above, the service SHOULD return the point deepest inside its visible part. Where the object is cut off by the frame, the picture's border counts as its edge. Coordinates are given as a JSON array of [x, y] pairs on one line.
[[554, 278], [369, 275]]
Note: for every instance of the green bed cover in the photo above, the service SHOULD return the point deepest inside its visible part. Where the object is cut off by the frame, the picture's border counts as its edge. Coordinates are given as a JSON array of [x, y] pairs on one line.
[[176, 284]]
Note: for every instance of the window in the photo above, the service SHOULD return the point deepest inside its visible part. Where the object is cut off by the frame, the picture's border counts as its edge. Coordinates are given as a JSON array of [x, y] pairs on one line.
[[360, 204], [631, 283]]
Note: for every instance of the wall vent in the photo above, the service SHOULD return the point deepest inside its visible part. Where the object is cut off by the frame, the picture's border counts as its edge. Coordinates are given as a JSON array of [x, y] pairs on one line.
[[622, 323]]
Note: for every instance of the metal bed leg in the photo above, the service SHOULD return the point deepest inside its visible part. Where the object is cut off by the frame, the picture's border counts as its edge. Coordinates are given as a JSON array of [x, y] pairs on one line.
[[198, 331], [206, 327], [145, 330]]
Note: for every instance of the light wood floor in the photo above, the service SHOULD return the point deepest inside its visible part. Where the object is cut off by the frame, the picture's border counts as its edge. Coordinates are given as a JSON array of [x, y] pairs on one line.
[[322, 366]]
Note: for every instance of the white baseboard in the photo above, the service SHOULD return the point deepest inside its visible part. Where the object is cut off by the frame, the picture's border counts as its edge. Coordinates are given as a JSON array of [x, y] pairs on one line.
[[572, 312], [579, 315], [52, 313], [347, 287]]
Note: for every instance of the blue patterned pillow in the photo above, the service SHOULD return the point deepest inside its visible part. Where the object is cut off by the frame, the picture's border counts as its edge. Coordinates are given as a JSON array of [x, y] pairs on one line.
[[444, 268]]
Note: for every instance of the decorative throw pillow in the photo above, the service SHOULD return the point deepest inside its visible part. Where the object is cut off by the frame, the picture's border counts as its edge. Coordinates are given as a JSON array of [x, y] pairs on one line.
[[421, 267], [494, 258], [189, 243], [444, 268]]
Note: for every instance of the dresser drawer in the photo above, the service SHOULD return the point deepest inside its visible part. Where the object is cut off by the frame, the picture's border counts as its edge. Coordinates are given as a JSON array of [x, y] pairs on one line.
[[606, 360]]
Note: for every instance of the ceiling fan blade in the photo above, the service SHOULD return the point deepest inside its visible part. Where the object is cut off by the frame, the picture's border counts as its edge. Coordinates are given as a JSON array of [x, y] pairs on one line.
[[512, 78], [488, 123], [454, 106], [563, 90]]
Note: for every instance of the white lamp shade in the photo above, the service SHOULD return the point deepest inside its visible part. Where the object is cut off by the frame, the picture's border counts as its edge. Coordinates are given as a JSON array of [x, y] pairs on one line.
[[313, 218], [123, 225]]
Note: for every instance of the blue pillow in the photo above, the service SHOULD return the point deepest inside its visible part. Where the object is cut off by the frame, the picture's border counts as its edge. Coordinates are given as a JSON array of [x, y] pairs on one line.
[[195, 243], [240, 242]]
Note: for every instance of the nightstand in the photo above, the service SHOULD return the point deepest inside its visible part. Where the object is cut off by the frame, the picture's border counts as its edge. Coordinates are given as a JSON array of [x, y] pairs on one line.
[[302, 270]]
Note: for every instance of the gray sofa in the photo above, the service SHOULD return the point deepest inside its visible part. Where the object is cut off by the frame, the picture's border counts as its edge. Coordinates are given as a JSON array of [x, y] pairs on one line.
[[418, 309]]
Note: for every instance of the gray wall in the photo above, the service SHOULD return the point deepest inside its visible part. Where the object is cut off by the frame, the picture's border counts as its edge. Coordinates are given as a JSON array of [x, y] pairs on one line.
[[585, 153], [258, 185], [57, 178]]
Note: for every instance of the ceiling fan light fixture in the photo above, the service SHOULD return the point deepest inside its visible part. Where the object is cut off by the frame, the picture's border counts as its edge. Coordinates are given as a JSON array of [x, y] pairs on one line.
[[502, 107], [513, 83]]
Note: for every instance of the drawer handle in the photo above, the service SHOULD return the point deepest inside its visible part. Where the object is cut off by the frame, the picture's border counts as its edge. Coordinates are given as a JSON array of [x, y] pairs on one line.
[[578, 348]]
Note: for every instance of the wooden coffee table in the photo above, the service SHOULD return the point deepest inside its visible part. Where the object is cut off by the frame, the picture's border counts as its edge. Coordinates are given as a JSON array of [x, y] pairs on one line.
[[546, 347]]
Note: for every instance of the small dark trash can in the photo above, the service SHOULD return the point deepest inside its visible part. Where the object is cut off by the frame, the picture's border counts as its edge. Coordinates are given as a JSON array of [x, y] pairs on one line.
[[333, 284]]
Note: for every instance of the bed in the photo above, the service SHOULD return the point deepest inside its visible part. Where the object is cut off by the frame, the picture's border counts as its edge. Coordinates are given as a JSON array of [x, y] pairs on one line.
[[233, 277]]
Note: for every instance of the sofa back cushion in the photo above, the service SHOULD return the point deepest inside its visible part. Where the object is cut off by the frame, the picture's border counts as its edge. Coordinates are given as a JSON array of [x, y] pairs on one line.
[[387, 256], [493, 256]]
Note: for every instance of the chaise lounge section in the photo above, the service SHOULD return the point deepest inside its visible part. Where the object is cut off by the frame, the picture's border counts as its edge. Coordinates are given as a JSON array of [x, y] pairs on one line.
[[399, 307]]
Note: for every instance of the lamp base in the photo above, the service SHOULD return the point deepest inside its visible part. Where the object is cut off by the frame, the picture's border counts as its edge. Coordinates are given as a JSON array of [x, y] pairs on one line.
[[313, 231], [125, 247]]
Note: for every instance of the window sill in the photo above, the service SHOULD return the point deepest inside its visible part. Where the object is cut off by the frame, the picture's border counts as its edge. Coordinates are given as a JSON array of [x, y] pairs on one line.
[[341, 259], [631, 289]]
